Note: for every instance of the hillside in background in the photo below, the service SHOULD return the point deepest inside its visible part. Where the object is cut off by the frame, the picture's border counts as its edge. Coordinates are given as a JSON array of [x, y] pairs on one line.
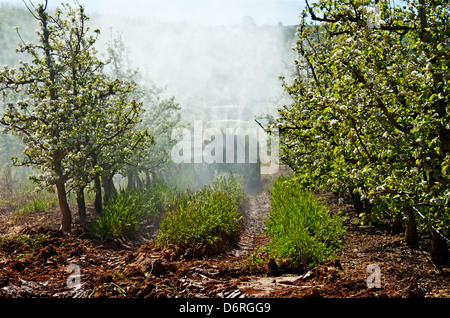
[[11, 17]]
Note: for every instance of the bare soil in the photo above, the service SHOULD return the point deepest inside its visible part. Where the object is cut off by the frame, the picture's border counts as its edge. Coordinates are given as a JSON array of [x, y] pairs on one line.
[[137, 268]]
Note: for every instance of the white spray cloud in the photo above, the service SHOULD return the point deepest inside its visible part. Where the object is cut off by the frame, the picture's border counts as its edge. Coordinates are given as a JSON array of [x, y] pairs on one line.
[[204, 52], [202, 11]]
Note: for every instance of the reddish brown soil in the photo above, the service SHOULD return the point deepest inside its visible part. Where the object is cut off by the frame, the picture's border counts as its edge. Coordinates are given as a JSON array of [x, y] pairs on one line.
[[124, 268]]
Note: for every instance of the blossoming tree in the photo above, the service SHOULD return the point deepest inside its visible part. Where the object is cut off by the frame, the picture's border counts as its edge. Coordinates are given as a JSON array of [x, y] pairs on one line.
[[73, 115], [370, 109]]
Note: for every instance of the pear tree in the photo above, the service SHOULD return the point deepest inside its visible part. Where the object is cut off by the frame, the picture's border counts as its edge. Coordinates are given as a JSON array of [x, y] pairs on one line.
[[72, 113], [370, 110]]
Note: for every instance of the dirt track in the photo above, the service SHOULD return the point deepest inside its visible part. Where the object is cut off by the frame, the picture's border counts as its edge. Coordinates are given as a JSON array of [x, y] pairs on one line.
[[122, 268]]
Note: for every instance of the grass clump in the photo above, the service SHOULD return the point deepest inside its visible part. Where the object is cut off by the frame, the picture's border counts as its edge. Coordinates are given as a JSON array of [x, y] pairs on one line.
[[128, 211], [26, 200], [19, 245], [121, 216], [40, 203], [300, 227], [209, 217]]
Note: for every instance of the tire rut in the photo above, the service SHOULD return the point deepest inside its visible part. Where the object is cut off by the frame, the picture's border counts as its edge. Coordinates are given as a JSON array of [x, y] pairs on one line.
[[252, 236]]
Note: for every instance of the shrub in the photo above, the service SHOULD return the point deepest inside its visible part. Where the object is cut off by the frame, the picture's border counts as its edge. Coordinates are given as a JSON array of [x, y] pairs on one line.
[[209, 217], [300, 228]]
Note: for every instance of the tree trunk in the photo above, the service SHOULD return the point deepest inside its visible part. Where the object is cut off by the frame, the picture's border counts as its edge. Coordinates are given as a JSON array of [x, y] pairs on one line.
[[357, 202], [412, 238], [66, 221], [148, 178], [131, 180], [134, 181], [98, 204], [108, 187], [81, 206], [396, 226], [367, 206], [439, 250], [138, 180]]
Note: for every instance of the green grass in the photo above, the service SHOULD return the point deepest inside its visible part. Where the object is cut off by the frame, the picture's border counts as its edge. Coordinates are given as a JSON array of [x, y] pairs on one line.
[[24, 198], [126, 214], [209, 217], [30, 201], [300, 227], [20, 245], [38, 204], [120, 217]]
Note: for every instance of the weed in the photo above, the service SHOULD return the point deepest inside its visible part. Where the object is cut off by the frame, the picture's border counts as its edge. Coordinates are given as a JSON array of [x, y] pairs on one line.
[[26, 200], [20, 244], [125, 213], [255, 263], [41, 203], [116, 288], [210, 217], [121, 216], [299, 225]]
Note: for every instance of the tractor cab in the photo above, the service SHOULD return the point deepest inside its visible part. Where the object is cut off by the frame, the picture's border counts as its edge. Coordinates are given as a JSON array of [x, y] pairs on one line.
[[236, 150]]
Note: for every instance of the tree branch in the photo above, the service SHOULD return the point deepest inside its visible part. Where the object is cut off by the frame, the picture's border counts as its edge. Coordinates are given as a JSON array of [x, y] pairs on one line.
[[380, 103]]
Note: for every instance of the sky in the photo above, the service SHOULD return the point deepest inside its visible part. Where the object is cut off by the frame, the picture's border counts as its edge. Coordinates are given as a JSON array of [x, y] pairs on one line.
[[206, 12]]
